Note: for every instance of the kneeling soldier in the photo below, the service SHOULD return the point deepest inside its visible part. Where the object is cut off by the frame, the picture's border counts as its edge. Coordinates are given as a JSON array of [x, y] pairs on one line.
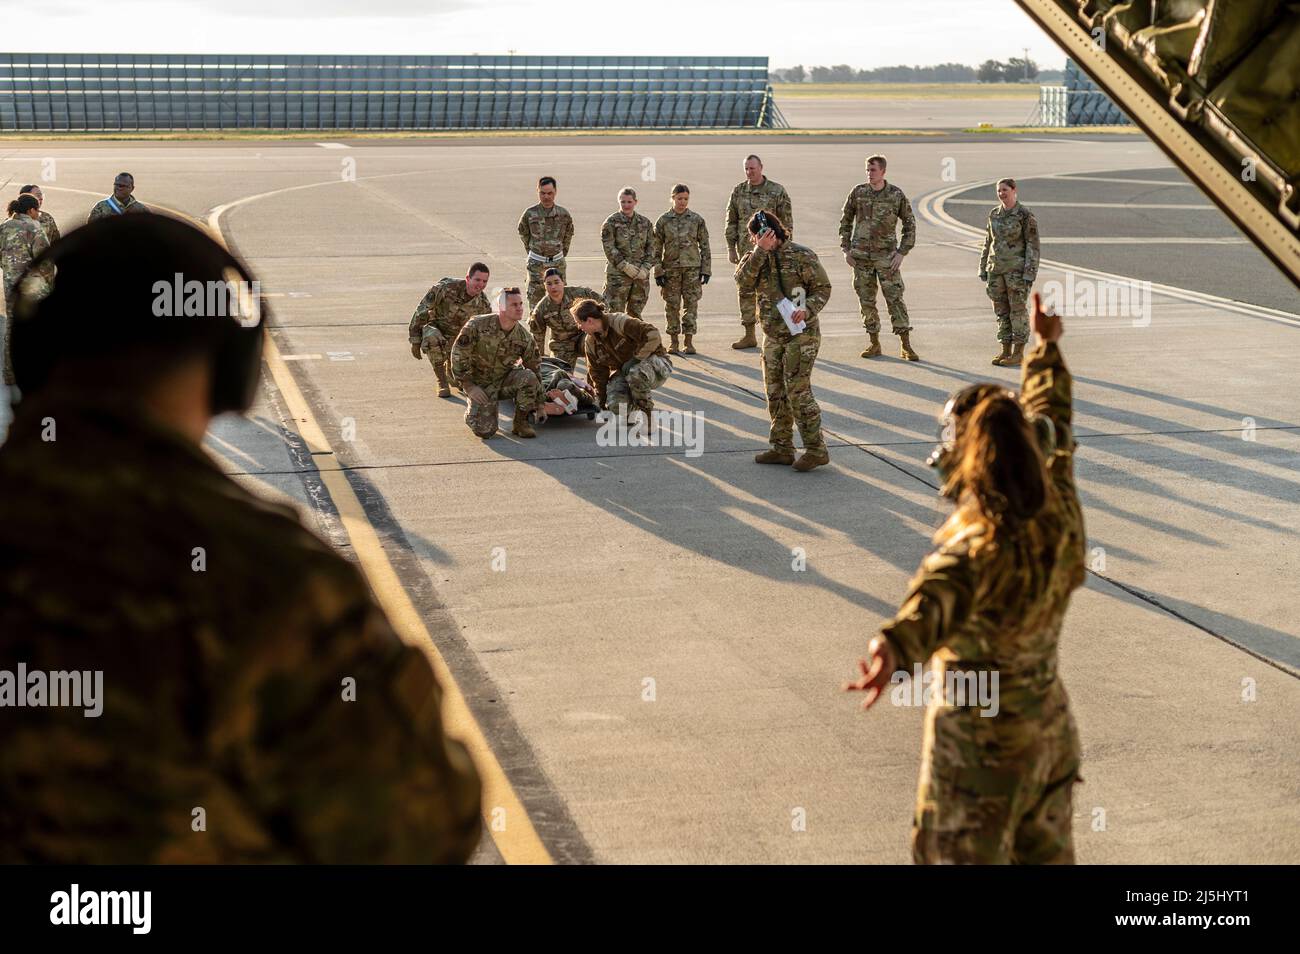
[[485, 360], [625, 358]]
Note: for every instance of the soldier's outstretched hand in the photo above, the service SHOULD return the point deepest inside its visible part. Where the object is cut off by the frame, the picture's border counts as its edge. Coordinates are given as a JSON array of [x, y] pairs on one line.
[[876, 667], [415, 350], [1045, 323]]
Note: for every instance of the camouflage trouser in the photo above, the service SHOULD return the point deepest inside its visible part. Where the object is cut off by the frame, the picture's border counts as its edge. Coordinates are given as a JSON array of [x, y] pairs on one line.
[[536, 289], [1010, 292], [634, 387], [972, 808], [520, 386], [747, 298], [625, 294], [436, 347], [681, 292], [8, 333], [866, 275], [787, 378]]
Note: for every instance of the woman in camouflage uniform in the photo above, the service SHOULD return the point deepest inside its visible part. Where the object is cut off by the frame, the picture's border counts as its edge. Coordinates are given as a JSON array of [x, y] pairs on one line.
[[996, 780], [1008, 267], [21, 240]]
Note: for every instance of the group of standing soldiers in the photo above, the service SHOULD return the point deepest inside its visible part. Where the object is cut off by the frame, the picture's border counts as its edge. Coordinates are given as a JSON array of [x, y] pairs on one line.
[[779, 283]]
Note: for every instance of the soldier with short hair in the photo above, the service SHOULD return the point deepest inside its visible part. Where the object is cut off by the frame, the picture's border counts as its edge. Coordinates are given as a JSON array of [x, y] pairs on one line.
[[869, 239], [440, 315], [628, 239], [120, 202], [247, 670], [552, 314], [546, 230], [682, 265], [791, 285], [485, 361], [625, 357], [46, 220], [1008, 267], [757, 193]]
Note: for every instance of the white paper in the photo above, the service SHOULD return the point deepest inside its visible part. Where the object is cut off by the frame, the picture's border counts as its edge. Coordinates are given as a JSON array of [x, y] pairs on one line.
[[787, 308]]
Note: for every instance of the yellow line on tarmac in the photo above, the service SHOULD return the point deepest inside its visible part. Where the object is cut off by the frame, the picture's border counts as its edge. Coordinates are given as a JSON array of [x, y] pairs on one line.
[[507, 820]]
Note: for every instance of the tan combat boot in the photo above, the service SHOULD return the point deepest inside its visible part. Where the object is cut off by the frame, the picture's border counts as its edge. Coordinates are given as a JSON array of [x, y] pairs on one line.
[[747, 340], [690, 348], [440, 370], [672, 348], [775, 456], [1017, 355], [1006, 353], [810, 459], [520, 426], [873, 350], [905, 347]]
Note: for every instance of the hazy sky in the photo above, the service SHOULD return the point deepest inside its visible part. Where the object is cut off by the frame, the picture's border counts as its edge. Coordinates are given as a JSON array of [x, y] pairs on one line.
[[862, 33]]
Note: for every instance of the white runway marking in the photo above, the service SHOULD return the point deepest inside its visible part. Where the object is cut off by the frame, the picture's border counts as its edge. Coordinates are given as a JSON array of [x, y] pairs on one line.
[[1154, 182], [332, 145], [1095, 205]]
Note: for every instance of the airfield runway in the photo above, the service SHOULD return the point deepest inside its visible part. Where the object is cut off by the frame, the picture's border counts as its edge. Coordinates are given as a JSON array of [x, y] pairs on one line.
[[626, 628]]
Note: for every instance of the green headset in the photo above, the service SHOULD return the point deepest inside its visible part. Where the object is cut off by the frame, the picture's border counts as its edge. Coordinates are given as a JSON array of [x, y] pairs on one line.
[[105, 276]]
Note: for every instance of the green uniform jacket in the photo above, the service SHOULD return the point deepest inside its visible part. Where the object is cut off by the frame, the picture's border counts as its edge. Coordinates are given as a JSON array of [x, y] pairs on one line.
[[1011, 243], [681, 241], [779, 274], [554, 316], [226, 634], [484, 353], [746, 200], [102, 209], [447, 306], [547, 232], [869, 222], [627, 240], [21, 240]]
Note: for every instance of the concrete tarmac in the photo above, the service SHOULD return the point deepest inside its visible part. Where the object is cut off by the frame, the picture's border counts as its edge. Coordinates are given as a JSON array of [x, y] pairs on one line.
[[655, 671]]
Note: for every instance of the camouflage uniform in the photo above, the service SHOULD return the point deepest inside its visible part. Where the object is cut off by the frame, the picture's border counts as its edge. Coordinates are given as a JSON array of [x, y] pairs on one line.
[[631, 351], [566, 338], [744, 202], [869, 234], [999, 789], [487, 355], [440, 315], [546, 234], [21, 240], [681, 254], [1008, 266], [629, 241], [104, 208], [222, 686], [788, 359], [51, 227]]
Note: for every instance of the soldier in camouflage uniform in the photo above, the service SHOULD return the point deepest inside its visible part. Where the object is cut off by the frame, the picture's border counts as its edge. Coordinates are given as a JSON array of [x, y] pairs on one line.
[[247, 669], [486, 359], [120, 202], [1008, 267], [546, 230], [756, 193], [869, 240], [628, 239], [440, 315], [781, 270], [46, 220], [552, 314], [996, 784], [682, 265], [625, 357], [21, 240]]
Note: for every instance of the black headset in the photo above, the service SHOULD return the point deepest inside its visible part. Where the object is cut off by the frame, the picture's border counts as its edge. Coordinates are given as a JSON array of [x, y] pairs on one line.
[[44, 308]]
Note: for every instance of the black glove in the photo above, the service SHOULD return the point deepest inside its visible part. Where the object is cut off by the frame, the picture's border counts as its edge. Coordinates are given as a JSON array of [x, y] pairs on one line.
[[659, 280], [704, 279]]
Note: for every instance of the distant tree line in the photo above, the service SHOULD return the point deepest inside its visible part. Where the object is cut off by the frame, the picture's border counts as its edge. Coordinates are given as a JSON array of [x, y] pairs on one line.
[[990, 71]]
